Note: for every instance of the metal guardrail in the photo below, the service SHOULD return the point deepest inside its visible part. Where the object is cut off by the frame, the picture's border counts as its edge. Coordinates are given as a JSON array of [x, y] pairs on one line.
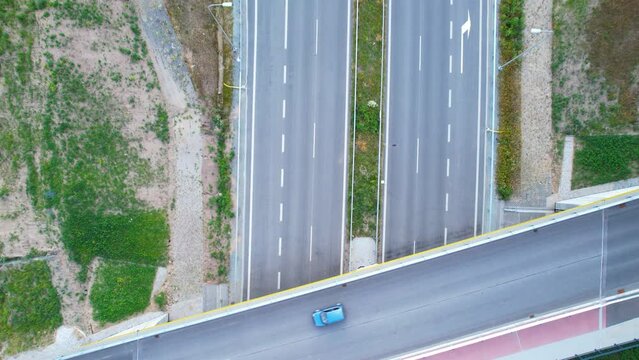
[[614, 349]]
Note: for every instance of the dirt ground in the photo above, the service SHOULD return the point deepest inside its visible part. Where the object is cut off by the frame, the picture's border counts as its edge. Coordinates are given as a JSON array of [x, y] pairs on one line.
[[197, 33], [95, 50], [201, 40]]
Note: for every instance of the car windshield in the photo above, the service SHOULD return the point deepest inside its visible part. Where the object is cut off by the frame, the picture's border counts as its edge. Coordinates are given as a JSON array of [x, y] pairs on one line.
[[323, 316]]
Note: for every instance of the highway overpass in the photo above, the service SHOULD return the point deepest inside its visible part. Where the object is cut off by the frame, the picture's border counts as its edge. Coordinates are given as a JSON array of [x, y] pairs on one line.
[[579, 256]]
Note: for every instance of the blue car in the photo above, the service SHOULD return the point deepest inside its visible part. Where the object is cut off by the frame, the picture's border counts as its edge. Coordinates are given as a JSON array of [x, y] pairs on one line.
[[329, 315]]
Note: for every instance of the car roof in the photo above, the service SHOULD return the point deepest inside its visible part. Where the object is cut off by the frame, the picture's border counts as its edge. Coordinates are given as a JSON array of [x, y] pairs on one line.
[[334, 314]]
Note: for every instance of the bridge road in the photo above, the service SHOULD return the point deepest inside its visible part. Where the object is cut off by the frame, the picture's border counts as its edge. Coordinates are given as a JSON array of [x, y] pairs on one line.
[[426, 303]]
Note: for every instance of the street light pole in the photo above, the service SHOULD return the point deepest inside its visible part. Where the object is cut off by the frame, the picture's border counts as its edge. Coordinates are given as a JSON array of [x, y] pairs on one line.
[[223, 5], [533, 31]]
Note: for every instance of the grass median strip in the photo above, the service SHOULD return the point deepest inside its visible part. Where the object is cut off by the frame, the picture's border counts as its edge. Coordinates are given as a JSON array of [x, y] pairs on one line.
[[364, 174], [511, 27]]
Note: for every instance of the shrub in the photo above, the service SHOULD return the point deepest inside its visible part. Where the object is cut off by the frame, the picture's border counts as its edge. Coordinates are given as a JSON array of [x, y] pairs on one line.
[[160, 300]]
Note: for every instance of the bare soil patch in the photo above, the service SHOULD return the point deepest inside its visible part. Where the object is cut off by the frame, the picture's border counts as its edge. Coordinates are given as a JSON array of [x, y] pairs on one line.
[[103, 53], [198, 35], [595, 67]]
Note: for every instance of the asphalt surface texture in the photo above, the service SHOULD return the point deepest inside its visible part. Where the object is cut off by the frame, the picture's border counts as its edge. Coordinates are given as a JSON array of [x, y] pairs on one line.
[[435, 123], [298, 58], [426, 303]]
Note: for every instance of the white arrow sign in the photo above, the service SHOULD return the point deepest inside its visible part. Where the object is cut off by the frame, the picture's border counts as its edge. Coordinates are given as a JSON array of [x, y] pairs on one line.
[[465, 29]]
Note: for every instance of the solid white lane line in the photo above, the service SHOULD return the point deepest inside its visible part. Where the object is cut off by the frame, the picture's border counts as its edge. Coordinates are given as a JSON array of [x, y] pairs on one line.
[[379, 138], [279, 278], [281, 212], [417, 160], [248, 281], [491, 191], [450, 98], [285, 24], [283, 142], [313, 140], [447, 202], [478, 119], [445, 235], [388, 80], [347, 87], [284, 76], [310, 247], [448, 132], [284, 108], [450, 64], [420, 53], [451, 2], [447, 167], [316, 34], [241, 163], [279, 246], [451, 29], [282, 178]]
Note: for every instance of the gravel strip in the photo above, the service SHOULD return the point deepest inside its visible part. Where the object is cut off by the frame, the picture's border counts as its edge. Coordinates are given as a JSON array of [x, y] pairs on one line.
[[186, 265]]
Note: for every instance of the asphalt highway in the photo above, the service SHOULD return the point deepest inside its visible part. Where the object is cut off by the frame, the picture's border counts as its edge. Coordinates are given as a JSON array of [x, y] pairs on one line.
[[298, 56], [435, 123], [427, 303]]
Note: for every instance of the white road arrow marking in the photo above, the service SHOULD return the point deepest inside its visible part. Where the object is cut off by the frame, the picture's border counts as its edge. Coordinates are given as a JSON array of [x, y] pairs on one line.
[[465, 29]]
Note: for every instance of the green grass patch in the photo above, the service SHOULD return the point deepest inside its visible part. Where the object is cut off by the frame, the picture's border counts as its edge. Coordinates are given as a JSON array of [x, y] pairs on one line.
[[511, 26], [138, 50], [137, 235], [605, 158], [83, 14], [121, 290], [29, 307], [222, 203], [363, 191], [161, 124]]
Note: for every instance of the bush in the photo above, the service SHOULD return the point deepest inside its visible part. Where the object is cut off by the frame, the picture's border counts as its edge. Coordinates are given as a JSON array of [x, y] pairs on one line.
[[161, 125], [121, 290], [160, 300]]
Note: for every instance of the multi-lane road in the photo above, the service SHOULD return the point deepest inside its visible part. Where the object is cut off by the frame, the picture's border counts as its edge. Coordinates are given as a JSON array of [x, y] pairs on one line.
[[297, 123], [435, 123], [578, 260]]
